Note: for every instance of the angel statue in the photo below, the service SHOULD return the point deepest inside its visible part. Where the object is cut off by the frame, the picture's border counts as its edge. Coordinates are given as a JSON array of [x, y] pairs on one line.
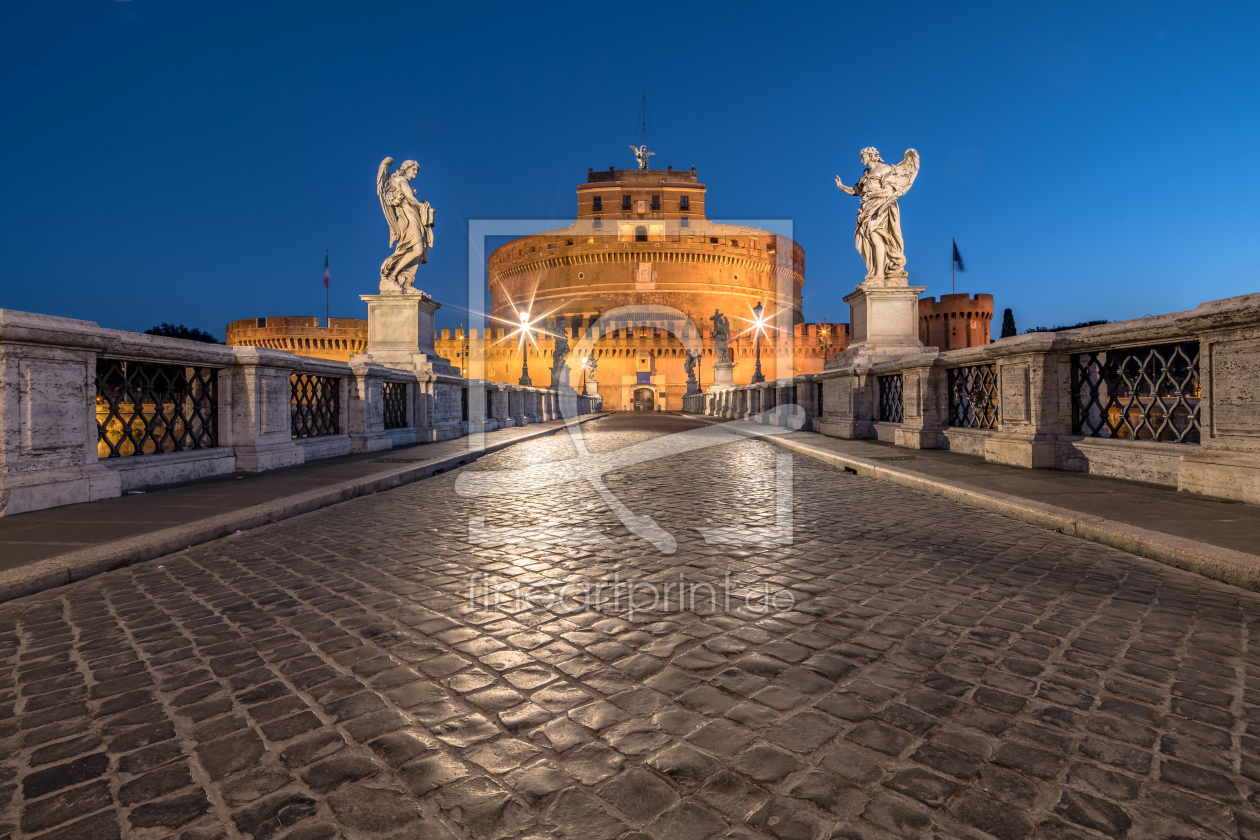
[[721, 338], [592, 367], [560, 351], [642, 154], [878, 231], [410, 226], [690, 367]]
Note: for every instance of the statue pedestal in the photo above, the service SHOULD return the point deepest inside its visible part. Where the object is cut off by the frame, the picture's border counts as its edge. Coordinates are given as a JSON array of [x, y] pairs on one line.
[[693, 387], [560, 379], [592, 388], [401, 333], [723, 376], [883, 322]]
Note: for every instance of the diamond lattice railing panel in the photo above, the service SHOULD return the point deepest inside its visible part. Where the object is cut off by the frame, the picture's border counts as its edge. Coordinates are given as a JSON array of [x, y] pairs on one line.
[[973, 397], [395, 398], [891, 405], [1138, 393], [147, 409], [316, 405]]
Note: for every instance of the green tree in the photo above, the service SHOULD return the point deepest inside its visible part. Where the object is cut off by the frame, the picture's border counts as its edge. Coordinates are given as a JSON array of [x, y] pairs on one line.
[[180, 331], [1008, 324]]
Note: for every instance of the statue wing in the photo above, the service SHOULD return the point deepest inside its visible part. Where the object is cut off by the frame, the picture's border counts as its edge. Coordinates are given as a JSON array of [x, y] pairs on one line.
[[382, 181], [906, 171], [634, 148]]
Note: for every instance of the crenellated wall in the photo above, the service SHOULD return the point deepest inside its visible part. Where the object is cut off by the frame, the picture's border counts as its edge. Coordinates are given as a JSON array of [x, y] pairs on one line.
[[955, 321]]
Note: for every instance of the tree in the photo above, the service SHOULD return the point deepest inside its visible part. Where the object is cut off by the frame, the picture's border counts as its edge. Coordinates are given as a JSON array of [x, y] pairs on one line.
[[1068, 327], [1008, 324], [180, 331]]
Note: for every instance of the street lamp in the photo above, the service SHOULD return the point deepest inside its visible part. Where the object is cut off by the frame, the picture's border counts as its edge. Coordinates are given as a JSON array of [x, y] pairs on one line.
[[824, 340], [757, 312], [525, 380]]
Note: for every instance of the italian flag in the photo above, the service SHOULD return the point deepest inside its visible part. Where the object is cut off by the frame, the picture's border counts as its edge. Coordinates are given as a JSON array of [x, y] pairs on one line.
[[325, 269]]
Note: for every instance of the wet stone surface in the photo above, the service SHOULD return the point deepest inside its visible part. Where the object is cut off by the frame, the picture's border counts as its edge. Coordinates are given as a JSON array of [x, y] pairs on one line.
[[935, 672]]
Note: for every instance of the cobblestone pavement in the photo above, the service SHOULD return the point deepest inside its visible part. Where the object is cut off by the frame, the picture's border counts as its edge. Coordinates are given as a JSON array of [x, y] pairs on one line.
[[944, 673]]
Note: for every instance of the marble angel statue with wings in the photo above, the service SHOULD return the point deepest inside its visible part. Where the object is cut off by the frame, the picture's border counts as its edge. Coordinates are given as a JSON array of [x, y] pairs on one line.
[[410, 226], [878, 231]]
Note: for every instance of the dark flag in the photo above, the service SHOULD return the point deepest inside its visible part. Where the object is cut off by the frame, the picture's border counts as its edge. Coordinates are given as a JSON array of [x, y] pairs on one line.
[[958, 258]]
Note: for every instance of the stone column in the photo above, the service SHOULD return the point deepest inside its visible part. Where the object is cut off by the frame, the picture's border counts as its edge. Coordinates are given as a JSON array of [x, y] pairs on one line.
[[48, 431], [365, 409], [262, 410]]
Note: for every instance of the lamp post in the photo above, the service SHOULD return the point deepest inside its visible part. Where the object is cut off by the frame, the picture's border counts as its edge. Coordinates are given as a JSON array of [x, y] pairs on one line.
[[525, 380], [824, 341], [757, 311]]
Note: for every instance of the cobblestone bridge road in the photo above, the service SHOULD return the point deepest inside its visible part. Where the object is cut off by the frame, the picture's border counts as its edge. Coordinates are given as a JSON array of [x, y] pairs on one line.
[[944, 673]]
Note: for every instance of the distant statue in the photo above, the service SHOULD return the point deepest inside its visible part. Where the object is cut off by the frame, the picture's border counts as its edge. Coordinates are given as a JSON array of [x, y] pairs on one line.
[[690, 367], [721, 338], [592, 366], [642, 154], [560, 352], [410, 226], [878, 231]]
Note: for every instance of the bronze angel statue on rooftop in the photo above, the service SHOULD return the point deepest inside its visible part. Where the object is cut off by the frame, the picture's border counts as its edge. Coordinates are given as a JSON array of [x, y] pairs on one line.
[[410, 226], [877, 234]]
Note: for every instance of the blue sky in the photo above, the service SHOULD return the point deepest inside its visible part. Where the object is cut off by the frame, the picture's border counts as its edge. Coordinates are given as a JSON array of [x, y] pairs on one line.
[[191, 162]]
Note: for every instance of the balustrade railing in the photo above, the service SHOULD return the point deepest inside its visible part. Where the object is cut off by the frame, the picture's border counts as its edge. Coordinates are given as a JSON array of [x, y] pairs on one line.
[[891, 408], [148, 409], [395, 396], [1138, 393], [973, 397], [316, 405]]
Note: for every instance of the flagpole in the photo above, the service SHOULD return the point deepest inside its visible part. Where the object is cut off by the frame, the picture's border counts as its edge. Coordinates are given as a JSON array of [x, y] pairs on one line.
[[954, 244], [327, 305]]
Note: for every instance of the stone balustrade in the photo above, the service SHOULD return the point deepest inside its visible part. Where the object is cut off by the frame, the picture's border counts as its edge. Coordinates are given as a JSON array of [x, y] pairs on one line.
[[1172, 400], [89, 413]]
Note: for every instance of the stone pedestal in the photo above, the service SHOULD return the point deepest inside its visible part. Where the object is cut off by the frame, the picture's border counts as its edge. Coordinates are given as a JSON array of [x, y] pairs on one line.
[[561, 378], [883, 322], [693, 387], [724, 375], [592, 388], [401, 332]]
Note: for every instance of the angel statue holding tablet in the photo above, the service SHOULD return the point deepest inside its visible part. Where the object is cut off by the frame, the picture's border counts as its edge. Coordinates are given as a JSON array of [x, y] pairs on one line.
[[410, 226], [878, 231]]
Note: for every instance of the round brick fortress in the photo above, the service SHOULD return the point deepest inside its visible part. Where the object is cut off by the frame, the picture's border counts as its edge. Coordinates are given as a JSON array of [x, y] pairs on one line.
[[955, 321], [341, 339], [642, 237]]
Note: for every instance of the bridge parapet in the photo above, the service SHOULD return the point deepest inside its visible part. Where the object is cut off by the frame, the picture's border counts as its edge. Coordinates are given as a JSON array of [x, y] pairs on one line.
[[1168, 399], [90, 413]]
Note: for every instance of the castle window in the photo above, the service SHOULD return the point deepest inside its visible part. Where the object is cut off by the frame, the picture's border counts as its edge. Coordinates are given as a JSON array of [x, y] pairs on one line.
[[550, 245], [599, 203], [656, 202], [625, 202], [568, 242], [599, 223], [713, 240], [685, 222], [640, 234], [262, 322], [684, 202]]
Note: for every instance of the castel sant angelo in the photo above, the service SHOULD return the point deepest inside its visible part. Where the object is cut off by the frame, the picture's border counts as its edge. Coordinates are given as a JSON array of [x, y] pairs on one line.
[[641, 239]]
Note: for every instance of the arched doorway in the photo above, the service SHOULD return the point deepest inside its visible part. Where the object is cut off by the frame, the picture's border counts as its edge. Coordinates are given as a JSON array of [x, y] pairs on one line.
[[640, 234], [643, 399]]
